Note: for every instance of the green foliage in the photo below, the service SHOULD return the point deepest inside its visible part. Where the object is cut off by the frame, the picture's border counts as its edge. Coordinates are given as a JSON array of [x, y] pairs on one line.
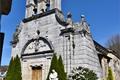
[[60, 63], [61, 73], [54, 65], [10, 70], [57, 65], [17, 68], [110, 74], [81, 73], [14, 70]]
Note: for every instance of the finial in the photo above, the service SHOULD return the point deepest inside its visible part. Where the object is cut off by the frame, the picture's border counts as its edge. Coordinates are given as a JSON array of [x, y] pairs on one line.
[[69, 18], [83, 17], [69, 15]]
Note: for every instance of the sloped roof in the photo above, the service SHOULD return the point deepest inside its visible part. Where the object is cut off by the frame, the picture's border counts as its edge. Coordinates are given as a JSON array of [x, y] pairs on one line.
[[104, 50]]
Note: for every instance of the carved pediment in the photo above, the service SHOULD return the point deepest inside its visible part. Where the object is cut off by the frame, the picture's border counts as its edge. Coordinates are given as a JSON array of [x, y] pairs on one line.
[[37, 46]]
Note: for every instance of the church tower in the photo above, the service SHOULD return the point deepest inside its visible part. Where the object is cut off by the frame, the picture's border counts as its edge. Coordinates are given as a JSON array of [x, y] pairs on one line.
[[43, 32], [34, 7]]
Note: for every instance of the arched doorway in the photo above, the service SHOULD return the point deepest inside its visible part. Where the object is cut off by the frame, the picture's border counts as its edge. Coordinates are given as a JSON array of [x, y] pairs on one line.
[[35, 58]]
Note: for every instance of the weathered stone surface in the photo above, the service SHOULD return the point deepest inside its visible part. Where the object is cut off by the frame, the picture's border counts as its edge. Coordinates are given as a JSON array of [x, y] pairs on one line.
[[83, 53], [72, 41]]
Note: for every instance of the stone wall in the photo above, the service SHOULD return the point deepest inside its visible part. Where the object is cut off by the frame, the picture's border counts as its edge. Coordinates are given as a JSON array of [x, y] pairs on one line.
[[115, 65], [75, 46]]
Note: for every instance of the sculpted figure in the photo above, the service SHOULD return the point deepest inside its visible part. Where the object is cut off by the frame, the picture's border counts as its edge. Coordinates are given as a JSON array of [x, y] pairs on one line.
[[53, 75]]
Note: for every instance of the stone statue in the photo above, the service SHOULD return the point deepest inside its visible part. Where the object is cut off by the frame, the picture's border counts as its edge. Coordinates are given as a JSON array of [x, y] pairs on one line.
[[53, 75]]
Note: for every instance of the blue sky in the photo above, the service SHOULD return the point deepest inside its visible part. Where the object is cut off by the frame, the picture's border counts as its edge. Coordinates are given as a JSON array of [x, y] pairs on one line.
[[102, 15]]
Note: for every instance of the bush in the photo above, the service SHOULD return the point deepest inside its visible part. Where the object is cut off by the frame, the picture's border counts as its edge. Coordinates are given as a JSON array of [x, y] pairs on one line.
[[81, 73]]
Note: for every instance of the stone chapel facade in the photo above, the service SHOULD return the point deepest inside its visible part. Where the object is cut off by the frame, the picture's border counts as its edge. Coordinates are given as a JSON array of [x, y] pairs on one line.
[[44, 31]]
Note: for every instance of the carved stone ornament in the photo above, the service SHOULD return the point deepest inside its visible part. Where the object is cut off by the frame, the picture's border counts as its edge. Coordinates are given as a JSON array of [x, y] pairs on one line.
[[15, 36], [37, 45], [60, 15]]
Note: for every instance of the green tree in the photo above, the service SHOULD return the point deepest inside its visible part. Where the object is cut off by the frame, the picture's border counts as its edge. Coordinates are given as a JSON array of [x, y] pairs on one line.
[[14, 69], [57, 65], [110, 74], [17, 70], [81, 73], [9, 75], [62, 74], [54, 65]]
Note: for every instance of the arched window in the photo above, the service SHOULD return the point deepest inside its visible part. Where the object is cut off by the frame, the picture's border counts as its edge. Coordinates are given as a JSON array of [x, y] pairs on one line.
[[35, 7], [48, 5], [35, 2]]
